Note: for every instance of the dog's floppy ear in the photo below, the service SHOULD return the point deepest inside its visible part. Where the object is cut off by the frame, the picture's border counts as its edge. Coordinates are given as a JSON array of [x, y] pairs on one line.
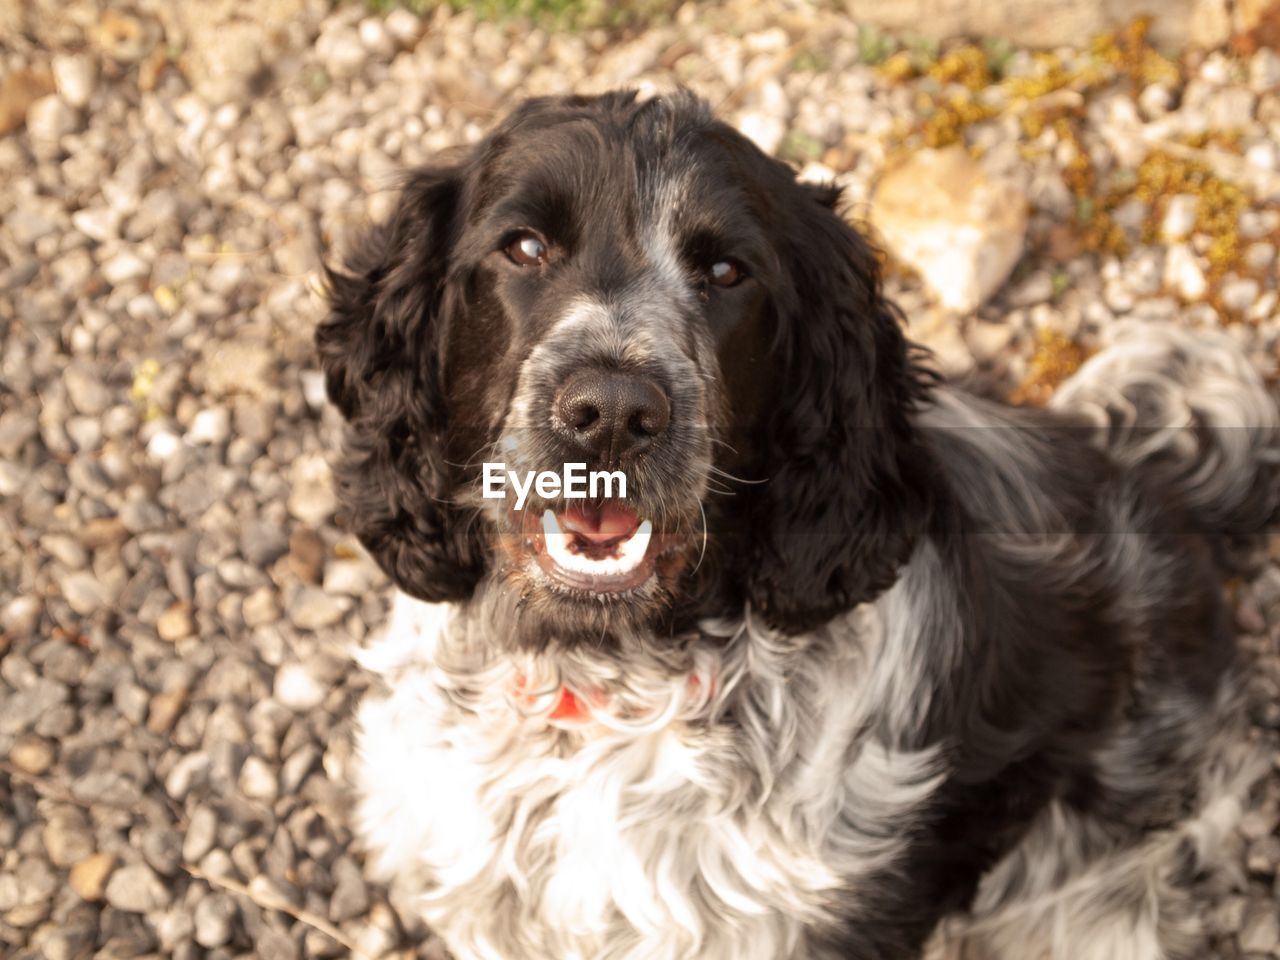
[[379, 348], [846, 491]]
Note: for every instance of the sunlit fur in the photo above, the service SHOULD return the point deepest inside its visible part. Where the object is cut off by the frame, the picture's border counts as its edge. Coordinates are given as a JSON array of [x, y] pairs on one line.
[[953, 679]]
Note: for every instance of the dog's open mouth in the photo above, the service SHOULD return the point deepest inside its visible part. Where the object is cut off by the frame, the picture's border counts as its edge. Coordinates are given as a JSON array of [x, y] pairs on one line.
[[603, 548]]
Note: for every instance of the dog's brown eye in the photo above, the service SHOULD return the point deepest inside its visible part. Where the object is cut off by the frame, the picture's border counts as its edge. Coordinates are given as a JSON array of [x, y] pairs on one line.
[[724, 273], [527, 250]]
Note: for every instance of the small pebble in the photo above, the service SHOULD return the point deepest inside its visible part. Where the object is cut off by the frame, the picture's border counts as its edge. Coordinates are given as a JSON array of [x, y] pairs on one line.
[[31, 754], [215, 915], [136, 889], [258, 780], [176, 623], [88, 878], [297, 689], [75, 75], [1181, 212]]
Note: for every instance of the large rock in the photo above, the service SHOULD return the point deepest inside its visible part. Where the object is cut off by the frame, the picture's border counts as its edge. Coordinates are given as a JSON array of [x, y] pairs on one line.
[[1050, 23], [941, 214]]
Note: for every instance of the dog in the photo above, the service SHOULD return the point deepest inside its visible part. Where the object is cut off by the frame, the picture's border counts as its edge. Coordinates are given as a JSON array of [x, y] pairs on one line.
[[864, 665]]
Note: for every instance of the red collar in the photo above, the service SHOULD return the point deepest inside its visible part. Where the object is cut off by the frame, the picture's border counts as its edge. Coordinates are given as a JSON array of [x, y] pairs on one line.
[[569, 706]]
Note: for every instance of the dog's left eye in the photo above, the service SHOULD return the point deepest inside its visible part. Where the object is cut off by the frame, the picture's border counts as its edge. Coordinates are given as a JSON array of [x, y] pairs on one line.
[[526, 250], [725, 273]]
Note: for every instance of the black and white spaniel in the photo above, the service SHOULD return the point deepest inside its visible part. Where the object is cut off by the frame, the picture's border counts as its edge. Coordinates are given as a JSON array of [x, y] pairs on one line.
[[863, 666]]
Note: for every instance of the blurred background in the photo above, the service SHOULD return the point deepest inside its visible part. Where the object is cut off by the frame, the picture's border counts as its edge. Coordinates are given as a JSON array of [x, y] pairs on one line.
[[176, 597]]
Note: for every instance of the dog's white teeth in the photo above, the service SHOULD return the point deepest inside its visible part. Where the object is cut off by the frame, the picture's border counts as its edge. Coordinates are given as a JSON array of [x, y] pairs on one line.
[[630, 552], [557, 542]]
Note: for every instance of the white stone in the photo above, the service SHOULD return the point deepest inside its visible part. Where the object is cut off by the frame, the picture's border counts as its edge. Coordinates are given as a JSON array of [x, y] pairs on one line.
[[12, 478], [340, 50], [1239, 294], [1180, 216], [83, 593], [210, 426], [1155, 100], [313, 609], [1261, 155], [136, 889], [226, 276], [1118, 297], [1263, 308], [814, 172], [257, 779], [963, 231], [772, 40], [375, 37], [297, 689], [311, 497], [260, 608], [1182, 273], [74, 75], [404, 26], [123, 267], [354, 578], [314, 391], [49, 119], [1216, 69], [163, 445]]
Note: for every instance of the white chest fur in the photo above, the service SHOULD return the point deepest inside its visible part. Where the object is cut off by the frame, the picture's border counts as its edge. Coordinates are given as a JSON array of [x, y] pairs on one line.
[[707, 825]]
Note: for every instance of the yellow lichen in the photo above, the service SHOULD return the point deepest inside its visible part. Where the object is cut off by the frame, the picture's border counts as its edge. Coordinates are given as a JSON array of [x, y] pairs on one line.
[[947, 123], [1228, 140], [165, 298], [1055, 358], [898, 68], [966, 65], [1129, 50], [1052, 75], [1161, 176], [144, 379], [145, 376]]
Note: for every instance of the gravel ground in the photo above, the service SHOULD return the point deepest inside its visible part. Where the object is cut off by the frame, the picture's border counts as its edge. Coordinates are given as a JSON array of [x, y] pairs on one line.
[[176, 598]]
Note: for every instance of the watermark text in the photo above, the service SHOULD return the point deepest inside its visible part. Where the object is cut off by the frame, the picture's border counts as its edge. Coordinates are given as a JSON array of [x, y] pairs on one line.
[[575, 482]]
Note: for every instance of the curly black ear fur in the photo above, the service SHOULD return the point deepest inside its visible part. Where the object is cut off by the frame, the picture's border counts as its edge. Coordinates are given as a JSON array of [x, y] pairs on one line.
[[379, 348], [847, 483]]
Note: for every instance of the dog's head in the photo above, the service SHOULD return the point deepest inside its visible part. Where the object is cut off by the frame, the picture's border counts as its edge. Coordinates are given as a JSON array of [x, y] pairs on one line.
[[635, 288]]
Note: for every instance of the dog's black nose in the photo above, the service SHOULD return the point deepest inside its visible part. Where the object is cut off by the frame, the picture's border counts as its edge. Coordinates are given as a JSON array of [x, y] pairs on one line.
[[607, 414]]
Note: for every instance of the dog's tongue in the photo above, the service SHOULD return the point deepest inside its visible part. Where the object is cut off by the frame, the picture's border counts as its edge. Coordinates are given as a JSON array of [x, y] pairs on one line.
[[601, 523]]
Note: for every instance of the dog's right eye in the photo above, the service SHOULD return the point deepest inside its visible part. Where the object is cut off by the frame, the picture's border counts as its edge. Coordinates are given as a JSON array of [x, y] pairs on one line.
[[526, 250]]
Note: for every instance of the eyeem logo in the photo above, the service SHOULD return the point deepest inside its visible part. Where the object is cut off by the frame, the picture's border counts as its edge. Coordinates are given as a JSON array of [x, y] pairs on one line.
[[576, 483]]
